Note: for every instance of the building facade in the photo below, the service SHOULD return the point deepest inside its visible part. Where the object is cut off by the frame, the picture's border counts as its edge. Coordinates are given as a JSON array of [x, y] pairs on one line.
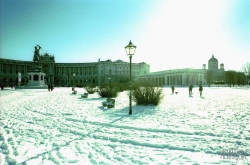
[[68, 74], [187, 76]]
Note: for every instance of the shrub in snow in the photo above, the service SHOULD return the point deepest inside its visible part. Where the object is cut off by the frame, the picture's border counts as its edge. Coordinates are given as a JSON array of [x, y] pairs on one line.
[[107, 90], [144, 93], [90, 90]]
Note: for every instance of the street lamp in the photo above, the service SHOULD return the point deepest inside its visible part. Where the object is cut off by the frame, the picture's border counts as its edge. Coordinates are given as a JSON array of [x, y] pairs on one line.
[[74, 79], [130, 49], [109, 81]]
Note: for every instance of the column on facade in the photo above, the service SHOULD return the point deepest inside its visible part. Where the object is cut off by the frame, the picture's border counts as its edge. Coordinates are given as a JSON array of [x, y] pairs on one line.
[[184, 78], [198, 79]]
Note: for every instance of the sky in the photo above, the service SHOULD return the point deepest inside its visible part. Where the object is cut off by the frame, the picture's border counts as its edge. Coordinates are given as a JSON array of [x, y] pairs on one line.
[[169, 34]]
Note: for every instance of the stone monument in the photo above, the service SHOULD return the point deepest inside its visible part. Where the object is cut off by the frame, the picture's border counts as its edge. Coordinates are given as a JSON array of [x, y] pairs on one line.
[[36, 75]]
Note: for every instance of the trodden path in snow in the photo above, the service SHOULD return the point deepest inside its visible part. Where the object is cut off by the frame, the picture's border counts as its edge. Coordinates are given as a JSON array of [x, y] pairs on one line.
[[41, 127]]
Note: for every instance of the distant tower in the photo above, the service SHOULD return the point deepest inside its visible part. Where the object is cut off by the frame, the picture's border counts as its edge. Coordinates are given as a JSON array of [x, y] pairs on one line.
[[212, 63], [204, 66], [221, 66]]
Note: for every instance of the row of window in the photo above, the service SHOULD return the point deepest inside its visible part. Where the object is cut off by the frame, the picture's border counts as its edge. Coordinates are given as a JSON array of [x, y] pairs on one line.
[[121, 67], [76, 73], [64, 81], [120, 73], [12, 72], [13, 66]]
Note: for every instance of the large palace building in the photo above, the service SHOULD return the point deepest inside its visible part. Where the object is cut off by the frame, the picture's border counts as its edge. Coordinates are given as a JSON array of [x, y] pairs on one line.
[[187, 76], [66, 74]]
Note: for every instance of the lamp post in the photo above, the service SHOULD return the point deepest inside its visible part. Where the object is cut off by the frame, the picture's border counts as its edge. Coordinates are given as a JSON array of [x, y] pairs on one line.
[[74, 79], [109, 81], [130, 49], [50, 77]]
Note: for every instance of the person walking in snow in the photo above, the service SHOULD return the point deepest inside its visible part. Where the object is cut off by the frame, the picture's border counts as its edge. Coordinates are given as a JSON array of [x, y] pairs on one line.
[[190, 89], [172, 88], [200, 90], [49, 86]]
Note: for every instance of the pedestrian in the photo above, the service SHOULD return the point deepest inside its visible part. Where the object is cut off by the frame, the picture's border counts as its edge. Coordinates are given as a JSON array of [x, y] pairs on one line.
[[190, 89], [49, 87], [200, 90], [172, 88]]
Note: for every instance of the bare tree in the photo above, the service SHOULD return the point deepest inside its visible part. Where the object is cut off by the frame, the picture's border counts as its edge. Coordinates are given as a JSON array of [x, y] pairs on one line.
[[246, 70], [240, 78], [209, 77], [230, 77]]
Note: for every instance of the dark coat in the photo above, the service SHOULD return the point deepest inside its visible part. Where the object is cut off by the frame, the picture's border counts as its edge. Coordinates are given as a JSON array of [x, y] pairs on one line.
[[200, 88]]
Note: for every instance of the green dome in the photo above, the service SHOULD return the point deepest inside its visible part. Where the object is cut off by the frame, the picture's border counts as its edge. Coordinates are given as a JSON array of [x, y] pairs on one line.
[[213, 59]]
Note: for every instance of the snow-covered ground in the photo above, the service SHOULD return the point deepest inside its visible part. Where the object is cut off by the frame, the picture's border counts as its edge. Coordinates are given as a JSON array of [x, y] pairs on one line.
[[46, 128]]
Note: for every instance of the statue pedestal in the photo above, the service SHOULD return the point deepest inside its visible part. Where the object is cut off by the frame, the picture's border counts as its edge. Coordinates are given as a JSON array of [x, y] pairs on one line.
[[35, 79]]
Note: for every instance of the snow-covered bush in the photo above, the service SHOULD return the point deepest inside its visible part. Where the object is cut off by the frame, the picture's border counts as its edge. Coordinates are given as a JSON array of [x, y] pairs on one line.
[[90, 90], [144, 93], [106, 90]]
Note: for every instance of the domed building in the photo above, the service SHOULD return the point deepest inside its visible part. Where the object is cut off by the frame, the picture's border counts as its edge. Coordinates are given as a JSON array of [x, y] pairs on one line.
[[214, 73], [187, 76], [212, 63]]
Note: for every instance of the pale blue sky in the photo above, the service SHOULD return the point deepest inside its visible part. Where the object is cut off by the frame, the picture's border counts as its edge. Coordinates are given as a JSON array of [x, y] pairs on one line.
[[168, 34]]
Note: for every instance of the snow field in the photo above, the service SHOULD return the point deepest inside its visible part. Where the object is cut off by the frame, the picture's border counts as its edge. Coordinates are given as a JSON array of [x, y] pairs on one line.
[[41, 127]]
